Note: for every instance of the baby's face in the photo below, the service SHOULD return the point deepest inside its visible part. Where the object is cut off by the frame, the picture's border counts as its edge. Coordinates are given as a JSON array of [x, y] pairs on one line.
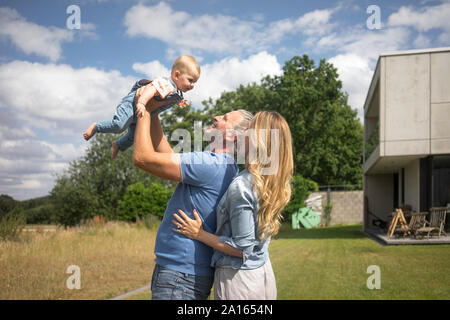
[[185, 81]]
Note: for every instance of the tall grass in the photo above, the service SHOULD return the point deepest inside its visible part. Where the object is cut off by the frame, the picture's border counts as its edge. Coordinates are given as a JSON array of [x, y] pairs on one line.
[[113, 259]]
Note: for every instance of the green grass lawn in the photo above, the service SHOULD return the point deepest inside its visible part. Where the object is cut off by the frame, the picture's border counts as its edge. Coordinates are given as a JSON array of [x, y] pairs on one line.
[[331, 263]]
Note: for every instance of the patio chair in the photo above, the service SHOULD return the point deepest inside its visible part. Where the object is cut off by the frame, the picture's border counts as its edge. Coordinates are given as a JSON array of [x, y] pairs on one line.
[[417, 221], [436, 223]]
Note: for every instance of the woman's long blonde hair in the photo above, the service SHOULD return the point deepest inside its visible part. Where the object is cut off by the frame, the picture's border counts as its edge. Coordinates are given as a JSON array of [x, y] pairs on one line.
[[272, 186]]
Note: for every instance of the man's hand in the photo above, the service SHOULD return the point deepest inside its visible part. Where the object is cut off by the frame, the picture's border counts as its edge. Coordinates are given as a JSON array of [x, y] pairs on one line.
[[153, 105]]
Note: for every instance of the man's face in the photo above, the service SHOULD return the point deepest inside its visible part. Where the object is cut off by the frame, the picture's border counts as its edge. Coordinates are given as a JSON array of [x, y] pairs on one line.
[[221, 129], [227, 121]]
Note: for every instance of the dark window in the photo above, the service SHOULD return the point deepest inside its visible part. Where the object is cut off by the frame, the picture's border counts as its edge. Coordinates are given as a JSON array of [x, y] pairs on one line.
[[403, 186], [441, 180], [396, 190]]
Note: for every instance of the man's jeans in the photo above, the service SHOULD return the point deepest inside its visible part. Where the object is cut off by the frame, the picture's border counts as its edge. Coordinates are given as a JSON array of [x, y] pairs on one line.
[[173, 285]]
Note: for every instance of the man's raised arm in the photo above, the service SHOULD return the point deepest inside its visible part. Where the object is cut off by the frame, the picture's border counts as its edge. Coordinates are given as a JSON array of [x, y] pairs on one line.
[[165, 165]]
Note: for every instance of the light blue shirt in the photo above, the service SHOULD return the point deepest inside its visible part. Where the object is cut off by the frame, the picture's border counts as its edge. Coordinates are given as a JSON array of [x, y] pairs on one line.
[[206, 176], [237, 226]]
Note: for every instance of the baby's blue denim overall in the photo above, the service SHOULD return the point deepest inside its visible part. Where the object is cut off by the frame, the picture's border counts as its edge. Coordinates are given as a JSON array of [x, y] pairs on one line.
[[125, 116]]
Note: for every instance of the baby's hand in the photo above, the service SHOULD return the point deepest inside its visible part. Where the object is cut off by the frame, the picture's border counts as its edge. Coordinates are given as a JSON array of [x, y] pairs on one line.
[[183, 103], [140, 109]]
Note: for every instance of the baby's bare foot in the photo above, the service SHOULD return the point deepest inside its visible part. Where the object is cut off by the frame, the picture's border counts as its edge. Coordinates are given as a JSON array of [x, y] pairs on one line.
[[89, 133], [114, 150]]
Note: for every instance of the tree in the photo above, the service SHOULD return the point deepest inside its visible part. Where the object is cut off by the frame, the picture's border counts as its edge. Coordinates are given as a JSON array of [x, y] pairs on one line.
[[7, 203], [94, 184], [327, 135], [184, 118]]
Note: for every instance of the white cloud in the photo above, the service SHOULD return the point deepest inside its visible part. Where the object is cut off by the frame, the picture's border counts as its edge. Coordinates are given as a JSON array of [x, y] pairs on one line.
[[229, 73], [61, 102], [422, 41], [424, 19], [152, 69], [59, 96], [359, 48], [181, 29], [355, 74], [364, 42], [315, 22], [224, 75], [32, 38], [220, 34], [28, 165]]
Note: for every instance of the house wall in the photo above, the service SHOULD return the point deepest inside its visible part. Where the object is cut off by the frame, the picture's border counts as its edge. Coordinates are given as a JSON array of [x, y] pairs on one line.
[[407, 105], [440, 103], [414, 115], [379, 189]]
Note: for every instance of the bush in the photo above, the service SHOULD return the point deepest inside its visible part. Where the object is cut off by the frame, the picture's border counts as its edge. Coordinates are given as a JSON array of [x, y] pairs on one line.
[[301, 188], [11, 224], [140, 201], [73, 203], [44, 214]]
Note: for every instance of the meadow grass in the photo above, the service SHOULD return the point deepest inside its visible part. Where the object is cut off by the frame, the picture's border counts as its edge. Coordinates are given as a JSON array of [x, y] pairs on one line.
[[331, 263], [322, 263], [113, 259]]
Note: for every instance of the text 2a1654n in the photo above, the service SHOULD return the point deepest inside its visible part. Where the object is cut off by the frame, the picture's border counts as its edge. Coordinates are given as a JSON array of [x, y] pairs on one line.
[[246, 309]]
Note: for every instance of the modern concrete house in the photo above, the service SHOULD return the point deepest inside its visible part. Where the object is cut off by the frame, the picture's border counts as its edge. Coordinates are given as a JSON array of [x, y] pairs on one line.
[[407, 133]]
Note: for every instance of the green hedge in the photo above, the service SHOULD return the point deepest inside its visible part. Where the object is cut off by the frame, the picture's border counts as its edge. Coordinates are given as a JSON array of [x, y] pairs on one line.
[[139, 201]]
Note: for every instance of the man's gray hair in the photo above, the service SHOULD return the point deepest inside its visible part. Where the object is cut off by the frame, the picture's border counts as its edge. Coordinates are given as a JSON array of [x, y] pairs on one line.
[[243, 124]]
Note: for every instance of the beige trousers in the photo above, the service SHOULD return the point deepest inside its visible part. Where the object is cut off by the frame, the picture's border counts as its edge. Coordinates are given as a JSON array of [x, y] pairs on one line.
[[255, 284]]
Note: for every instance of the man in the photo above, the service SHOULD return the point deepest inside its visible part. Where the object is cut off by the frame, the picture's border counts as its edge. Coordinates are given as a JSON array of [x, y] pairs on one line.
[[182, 269]]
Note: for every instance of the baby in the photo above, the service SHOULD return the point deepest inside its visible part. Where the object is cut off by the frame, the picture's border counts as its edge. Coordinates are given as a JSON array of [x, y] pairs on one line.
[[185, 73]]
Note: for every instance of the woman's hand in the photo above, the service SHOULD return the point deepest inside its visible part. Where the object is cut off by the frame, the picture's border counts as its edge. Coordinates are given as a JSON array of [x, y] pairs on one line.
[[186, 226]]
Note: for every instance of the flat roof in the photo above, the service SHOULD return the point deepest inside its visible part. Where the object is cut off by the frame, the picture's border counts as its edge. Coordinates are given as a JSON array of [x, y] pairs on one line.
[[418, 51]]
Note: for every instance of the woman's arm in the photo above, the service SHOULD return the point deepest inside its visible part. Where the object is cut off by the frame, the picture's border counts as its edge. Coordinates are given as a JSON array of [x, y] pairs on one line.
[[194, 229]]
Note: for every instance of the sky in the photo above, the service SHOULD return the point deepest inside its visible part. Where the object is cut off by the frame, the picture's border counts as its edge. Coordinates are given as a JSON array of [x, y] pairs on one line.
[[66, 64]]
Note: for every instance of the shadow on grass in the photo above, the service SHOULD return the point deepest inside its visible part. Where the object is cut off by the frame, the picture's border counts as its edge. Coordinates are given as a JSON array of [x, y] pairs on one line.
[[334, 232]]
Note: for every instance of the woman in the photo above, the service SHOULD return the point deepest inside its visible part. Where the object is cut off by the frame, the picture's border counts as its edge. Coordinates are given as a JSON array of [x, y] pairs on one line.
[[249, 213]]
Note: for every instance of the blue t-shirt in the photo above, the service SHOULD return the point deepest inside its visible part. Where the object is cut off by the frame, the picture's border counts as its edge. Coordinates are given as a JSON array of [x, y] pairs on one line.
[[206, 176]]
